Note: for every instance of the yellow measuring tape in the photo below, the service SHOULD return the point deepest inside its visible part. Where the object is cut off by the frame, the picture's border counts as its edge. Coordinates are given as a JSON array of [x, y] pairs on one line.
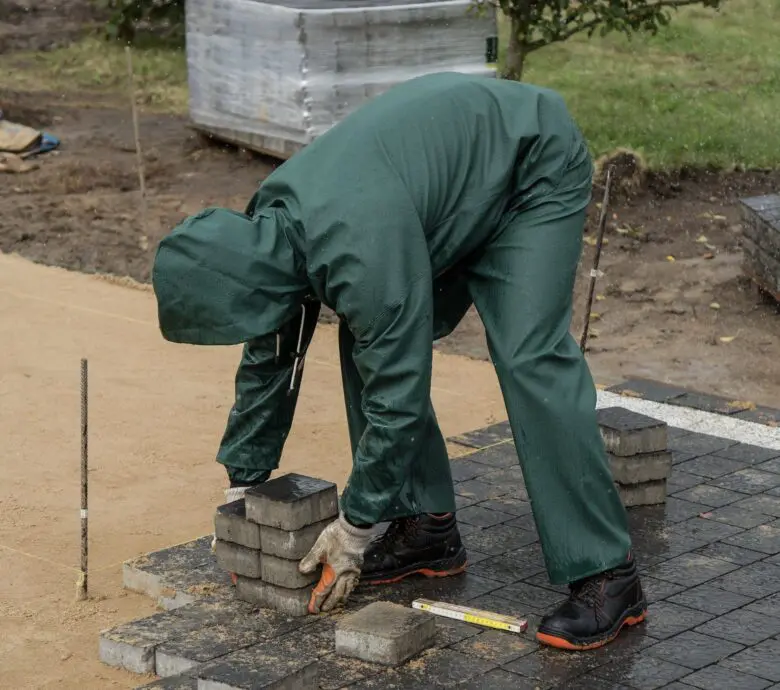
[[467, 614]]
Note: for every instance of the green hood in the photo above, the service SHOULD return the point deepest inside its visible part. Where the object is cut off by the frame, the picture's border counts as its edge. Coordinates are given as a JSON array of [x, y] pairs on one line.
[[223, 278]]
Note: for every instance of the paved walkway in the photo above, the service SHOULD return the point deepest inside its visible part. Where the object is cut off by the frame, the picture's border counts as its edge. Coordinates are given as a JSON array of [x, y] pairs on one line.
[[710, 560]]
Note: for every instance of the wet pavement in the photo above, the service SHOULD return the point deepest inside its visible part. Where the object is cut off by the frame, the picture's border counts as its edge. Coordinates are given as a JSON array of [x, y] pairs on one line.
[[709, 559]]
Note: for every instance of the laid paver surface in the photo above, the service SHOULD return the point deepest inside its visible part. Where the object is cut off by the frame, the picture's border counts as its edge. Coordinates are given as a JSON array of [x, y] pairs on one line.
[[710, 561]]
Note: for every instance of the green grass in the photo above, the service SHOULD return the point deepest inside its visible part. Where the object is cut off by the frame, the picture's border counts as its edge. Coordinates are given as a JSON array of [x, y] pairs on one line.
[[704, 92], [94, 65]]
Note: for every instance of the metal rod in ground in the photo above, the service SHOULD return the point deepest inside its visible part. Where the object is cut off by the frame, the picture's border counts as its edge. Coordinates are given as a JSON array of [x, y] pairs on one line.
[[138, 151], [594, 273], [82, 583]]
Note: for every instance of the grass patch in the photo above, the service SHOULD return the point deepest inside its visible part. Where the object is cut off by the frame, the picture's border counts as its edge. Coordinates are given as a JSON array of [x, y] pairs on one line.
[[95, 65], [704, 92]]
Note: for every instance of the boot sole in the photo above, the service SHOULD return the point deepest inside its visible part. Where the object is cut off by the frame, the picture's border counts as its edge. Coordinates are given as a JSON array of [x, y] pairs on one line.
[[445, 568], [634, 616]]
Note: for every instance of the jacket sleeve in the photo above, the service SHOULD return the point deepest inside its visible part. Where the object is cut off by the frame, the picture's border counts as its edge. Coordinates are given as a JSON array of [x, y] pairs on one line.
[[379, 281], [262, 412]]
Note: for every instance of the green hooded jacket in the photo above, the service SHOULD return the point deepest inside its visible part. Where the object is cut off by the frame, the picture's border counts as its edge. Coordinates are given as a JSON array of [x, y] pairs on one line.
[[373, 219]]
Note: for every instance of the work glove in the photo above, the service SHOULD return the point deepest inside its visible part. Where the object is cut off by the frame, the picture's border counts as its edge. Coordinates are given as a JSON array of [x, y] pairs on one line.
[[339, 548]]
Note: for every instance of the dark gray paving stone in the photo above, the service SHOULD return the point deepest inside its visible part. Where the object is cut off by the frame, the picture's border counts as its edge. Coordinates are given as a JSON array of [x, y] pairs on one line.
[[739, 517], [762, 503], [199, 646], [458, 589], [590, 682], [266, 665], [656, 590], [751, 455], [711, 496], [744, 626], [732, 554], [501, 455], [526, 522], [548, 668], [678, 510], [506, 569], [463, 469], [762, 660], [628, 433], [756, 580], [679, 480], [482, 517], [238, 559], [769, 416], [498, 540], [748, 481], [536, 599], [508, 504], [441, 667], [665, 620], [449, 631], [462, 502], [647, 389], [642, 672], [337, 672], [479, 438], [499, 679], [542, 580], [466, 528], [479, 490], [680, 456], [764, 538], [710, 403], [693, 650], [507, 476], [177, 682], [704, 530], [768, 605], [717, 677], [691, 569], [700, 444], [499, 647], [291, 501], [231, 525], [772, 465], [711, 466], [475, 557], [710, 599]]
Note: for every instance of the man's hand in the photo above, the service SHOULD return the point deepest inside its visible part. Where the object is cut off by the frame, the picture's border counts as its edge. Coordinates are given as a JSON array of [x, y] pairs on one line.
[[340, 549]]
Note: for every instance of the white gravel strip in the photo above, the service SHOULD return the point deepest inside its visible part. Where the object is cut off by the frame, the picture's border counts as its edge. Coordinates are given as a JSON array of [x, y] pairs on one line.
[[696, 420]]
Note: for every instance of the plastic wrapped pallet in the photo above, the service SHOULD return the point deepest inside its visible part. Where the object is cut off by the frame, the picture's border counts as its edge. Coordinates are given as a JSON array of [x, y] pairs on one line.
[[272, 76]]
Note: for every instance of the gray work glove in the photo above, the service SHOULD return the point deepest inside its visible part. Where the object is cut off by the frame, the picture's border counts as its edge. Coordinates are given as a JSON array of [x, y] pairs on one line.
[[339, 549]]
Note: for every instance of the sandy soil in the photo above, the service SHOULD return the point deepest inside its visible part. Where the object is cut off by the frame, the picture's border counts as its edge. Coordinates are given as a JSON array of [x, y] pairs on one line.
[[156, 414]]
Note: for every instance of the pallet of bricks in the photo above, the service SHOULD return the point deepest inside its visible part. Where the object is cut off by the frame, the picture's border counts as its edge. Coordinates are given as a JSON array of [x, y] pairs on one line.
[[261, 539], [637, 447], [761, 242]]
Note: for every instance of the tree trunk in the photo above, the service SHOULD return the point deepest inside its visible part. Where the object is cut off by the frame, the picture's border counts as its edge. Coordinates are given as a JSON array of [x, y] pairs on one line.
[[515, 54]]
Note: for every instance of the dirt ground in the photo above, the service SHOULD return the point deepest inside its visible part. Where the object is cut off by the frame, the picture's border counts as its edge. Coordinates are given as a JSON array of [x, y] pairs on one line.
[[158, 409]]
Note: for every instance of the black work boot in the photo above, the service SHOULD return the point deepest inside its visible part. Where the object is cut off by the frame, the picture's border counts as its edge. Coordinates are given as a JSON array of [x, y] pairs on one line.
[[425, 544], [596, 610]]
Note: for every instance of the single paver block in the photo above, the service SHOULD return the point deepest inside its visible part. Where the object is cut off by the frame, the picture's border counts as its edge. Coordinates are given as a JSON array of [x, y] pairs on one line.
[[230, 524], [385, 633], [293, 602], [266, 666], [132, 645], [641, 468], [290, 544], [644, 494], [630, 433], [291, 502], [284, 573], [239, 559]]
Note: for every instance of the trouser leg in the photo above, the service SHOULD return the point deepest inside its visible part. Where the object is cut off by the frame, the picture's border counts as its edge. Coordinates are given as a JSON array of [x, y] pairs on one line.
[[522, 286], [429, 486]]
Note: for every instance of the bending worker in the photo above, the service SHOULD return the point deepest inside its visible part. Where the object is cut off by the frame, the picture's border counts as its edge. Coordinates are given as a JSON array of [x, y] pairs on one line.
[[444, 191]]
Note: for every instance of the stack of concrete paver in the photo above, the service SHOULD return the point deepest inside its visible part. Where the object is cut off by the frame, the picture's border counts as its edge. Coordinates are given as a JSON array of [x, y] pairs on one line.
[[262, 539], [761, 242], [637, 447]]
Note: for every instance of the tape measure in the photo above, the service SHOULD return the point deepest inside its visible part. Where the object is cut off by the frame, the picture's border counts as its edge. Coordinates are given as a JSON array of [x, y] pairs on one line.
[[487, 619]]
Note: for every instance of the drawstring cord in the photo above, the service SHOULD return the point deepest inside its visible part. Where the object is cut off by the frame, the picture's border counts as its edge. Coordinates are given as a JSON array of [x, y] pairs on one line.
[[298, 354]]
